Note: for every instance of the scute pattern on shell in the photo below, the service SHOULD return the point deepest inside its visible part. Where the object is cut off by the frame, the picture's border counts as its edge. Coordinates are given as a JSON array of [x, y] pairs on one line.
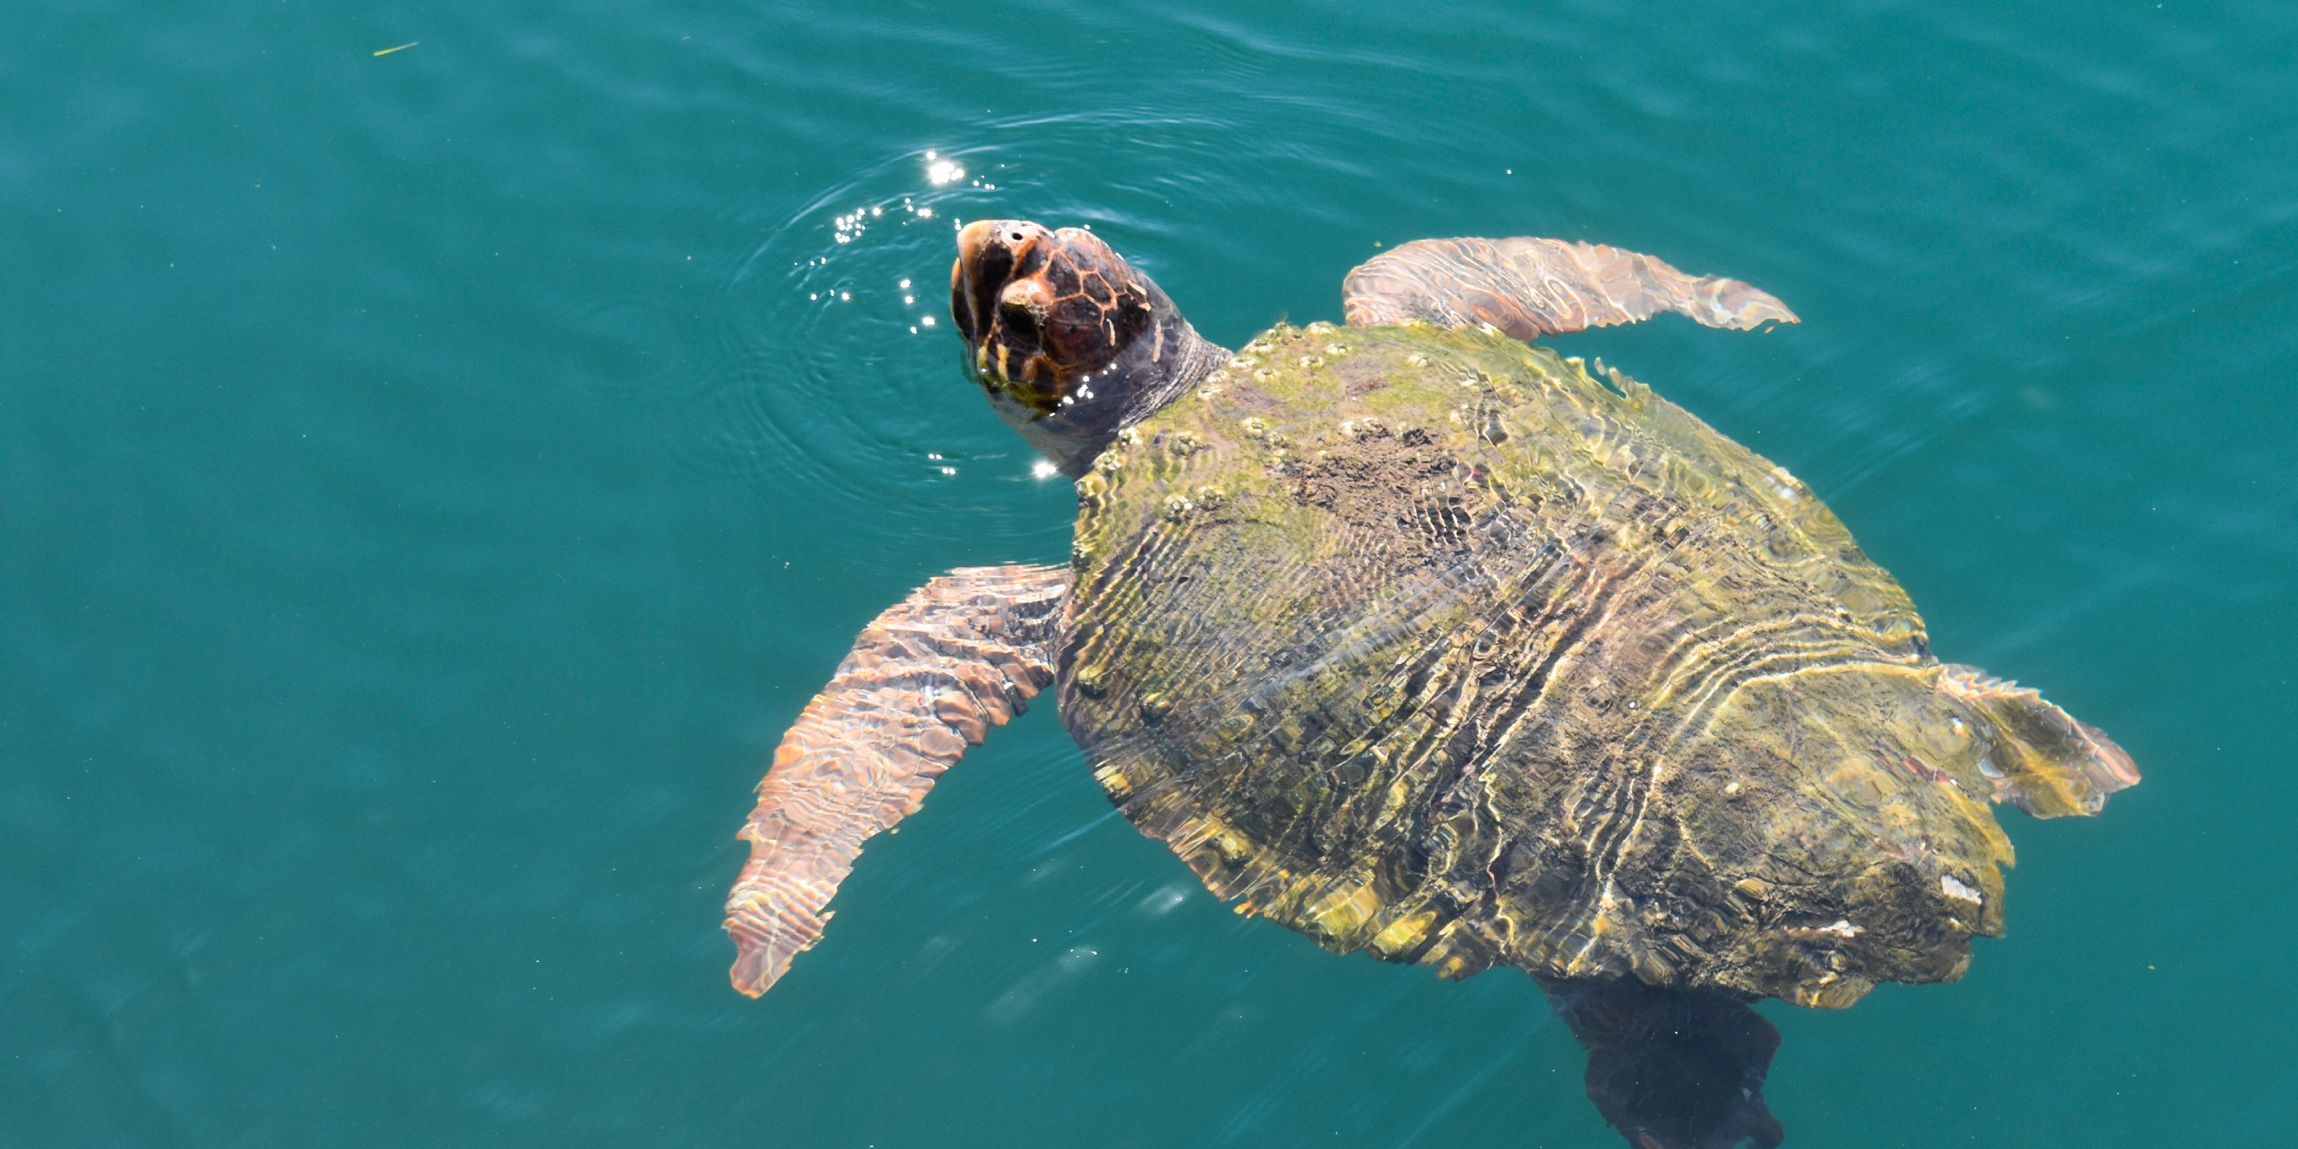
[[1428, 643]]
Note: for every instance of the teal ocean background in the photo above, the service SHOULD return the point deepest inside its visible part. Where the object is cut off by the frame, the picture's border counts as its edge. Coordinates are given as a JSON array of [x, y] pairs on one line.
[[430, 482]]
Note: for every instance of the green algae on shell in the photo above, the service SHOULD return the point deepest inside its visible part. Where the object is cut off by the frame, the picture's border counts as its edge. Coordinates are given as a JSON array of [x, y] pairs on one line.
[[1472, 659]]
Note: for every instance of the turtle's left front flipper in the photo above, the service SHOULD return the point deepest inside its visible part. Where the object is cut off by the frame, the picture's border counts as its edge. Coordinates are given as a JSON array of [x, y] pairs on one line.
[[924, 682], [1530, 287]]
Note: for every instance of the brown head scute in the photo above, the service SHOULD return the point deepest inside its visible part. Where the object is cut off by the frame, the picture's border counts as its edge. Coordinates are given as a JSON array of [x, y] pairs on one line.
[[1044, 311]]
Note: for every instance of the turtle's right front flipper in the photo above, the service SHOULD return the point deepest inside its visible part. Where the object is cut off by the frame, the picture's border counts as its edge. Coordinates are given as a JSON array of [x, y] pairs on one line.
[[1530, 287], [925, 681]]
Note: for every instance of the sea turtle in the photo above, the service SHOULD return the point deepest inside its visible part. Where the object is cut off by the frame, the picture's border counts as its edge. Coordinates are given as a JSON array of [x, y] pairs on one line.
[[1425, 641]]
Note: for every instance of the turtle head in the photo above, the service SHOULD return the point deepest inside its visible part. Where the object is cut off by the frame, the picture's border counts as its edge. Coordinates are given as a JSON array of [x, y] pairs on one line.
[[1071, 343]]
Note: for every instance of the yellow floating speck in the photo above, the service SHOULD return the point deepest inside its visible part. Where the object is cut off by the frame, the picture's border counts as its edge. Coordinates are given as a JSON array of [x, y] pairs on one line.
[[400, 48]]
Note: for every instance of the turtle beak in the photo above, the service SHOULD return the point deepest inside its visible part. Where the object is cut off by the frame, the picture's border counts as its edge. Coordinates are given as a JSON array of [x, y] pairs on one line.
[[966, 308]]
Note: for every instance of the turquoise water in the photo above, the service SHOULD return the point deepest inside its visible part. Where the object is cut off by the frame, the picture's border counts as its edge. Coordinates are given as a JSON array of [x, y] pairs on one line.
[[430, 482]]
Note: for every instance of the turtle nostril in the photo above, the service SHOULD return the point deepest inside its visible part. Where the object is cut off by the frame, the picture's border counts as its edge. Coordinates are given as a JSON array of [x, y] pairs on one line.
[[1015, 235]]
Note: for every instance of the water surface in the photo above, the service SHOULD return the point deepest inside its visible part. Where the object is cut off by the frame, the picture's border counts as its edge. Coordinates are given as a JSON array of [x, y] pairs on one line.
[[430, 482]]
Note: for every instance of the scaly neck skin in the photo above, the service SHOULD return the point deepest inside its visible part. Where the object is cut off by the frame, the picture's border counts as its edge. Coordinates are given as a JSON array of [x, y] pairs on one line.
[[1146, 379], [1197, 358]]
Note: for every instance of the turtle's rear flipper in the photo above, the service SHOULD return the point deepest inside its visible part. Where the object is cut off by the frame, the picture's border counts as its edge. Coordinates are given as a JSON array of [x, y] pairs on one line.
[[1672, 1069], [1530, 287], [925, 681], [2038, 756]]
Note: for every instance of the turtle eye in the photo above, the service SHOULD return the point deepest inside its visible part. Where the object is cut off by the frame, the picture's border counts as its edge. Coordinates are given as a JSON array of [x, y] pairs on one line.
[[1019, 320]]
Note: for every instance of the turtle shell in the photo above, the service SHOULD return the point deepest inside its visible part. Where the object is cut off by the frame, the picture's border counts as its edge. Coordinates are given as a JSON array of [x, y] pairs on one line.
[[1429, 643]]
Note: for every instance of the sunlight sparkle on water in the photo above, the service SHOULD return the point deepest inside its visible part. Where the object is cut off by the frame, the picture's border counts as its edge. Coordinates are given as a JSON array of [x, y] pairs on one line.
[[1042, 469], [850, 226], [941, 172]]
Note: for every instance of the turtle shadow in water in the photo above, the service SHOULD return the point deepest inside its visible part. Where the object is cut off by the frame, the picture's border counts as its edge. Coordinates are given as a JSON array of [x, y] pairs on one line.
[[1672, 1069]]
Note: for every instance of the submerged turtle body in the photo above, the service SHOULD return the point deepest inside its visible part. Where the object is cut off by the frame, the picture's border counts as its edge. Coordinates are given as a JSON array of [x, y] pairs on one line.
[[1427, 642]]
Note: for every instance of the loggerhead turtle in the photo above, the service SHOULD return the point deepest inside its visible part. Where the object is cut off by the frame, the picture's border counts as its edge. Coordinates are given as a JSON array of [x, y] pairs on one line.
[[1426, 642]]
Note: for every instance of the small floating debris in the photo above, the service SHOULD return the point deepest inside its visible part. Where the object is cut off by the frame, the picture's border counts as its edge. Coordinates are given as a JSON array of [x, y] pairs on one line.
[[401, 48]]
